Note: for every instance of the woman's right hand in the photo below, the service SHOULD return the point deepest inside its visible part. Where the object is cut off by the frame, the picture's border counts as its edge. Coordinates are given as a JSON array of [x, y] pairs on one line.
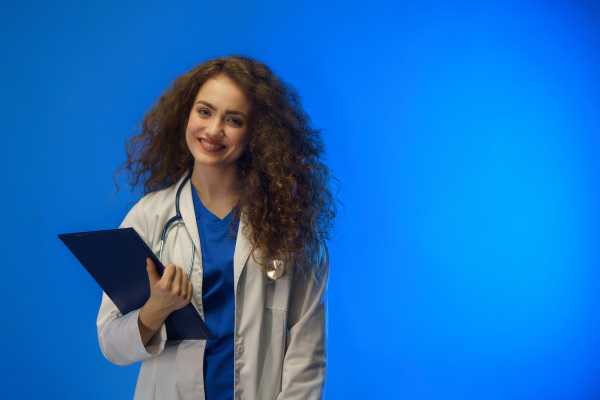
[[168, 293]]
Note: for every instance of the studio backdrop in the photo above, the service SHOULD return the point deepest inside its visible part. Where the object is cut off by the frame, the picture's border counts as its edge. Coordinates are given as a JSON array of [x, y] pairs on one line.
[[465, 135]]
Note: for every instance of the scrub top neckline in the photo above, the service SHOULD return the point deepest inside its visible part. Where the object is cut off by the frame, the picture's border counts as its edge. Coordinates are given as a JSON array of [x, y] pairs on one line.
[[207, 215]]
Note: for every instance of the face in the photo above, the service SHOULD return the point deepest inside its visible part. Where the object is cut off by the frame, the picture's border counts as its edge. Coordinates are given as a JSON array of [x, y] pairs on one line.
[[217, 130]]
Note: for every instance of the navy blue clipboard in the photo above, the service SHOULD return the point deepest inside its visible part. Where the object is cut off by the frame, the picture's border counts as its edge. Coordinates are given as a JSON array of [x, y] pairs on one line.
[[116, 259]]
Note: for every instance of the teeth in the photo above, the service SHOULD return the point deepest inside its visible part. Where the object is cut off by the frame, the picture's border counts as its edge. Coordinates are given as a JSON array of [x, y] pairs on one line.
[[212, 146]]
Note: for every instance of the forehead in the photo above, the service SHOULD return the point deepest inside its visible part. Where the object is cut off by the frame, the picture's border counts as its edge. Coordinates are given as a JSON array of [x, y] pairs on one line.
[[222, 92]]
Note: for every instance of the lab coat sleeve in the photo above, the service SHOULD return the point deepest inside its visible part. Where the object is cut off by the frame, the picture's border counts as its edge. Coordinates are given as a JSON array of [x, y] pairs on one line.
[[304, 364], [118, 334]]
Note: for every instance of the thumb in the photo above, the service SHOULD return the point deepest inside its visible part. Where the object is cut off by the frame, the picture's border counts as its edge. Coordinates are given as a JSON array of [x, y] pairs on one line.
[[153, 276]]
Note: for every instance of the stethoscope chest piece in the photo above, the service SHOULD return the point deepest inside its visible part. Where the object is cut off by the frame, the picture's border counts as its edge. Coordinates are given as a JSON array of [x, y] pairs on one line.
[[274, 269]]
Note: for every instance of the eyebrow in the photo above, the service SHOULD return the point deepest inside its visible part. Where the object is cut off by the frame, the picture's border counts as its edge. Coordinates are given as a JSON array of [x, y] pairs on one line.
[[233, 112]]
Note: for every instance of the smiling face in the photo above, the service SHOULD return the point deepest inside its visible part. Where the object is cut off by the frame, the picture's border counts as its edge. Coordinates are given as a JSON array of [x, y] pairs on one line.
[[217, 129]]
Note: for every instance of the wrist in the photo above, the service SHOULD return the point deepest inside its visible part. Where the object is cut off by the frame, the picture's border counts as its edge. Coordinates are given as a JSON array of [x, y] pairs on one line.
[[151, 317]]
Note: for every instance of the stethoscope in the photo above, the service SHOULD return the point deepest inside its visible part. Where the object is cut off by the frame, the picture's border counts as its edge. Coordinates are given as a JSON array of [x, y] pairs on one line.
[[274, 268], [177, 217]]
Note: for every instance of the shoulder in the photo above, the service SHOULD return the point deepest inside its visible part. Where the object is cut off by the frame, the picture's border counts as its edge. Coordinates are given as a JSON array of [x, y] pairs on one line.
[[151, 204], [157, 199], [164, 198]]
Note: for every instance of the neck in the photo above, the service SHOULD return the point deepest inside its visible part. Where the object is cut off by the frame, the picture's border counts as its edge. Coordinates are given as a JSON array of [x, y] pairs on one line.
[[216, 188]]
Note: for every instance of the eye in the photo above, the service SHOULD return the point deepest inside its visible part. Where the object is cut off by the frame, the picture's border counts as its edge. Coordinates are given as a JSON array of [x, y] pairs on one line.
[[203, 112], [235, 121]]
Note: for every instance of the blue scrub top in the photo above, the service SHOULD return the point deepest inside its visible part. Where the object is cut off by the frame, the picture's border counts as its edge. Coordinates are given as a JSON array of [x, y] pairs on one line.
[[218, 299]]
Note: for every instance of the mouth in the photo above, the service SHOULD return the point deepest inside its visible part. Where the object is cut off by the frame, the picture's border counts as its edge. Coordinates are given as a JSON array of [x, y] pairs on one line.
[[210, 145]]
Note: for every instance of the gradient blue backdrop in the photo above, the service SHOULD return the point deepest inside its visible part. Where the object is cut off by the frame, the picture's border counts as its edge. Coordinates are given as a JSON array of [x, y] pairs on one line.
[[466, 137]]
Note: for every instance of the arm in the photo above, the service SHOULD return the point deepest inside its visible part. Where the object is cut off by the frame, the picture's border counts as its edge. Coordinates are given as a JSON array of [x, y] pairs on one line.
[[125, 339], [119, 336], [304, 365]]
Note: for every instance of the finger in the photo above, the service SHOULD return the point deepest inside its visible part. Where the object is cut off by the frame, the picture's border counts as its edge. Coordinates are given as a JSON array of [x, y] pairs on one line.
[[190, 288], [167, 278], [176, 288], [153, 276], [184, 285], [190, 291]]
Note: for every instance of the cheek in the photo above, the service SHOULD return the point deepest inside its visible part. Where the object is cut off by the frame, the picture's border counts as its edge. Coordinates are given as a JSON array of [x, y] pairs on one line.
[[189, 136], [242, 139], [188, 140], [191, 125]]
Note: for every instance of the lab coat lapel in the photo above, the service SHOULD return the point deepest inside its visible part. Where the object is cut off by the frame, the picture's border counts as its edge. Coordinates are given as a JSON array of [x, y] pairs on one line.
[[186, 206], [242, 251]]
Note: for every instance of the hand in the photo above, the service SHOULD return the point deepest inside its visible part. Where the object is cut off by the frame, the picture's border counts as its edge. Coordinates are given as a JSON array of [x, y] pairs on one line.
[[168, 293]]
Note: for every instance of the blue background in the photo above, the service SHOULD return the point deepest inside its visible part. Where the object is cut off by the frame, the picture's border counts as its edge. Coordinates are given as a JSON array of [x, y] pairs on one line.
[[466, 137]]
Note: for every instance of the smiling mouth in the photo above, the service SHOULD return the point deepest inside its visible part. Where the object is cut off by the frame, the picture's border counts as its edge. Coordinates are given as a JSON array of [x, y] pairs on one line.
[[210, 145]]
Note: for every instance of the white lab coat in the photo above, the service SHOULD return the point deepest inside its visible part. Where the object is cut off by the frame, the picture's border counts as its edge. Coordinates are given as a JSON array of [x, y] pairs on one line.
[[280, 349]]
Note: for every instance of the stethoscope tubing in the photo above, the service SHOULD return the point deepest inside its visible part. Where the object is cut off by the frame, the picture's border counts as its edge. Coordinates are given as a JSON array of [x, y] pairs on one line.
[[177, 217]]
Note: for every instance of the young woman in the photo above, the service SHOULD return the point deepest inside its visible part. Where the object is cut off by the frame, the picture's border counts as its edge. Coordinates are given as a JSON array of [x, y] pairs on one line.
[[249, 251]]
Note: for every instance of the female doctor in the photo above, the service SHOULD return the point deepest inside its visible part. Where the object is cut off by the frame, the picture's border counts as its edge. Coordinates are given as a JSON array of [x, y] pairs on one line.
[[229, 150]]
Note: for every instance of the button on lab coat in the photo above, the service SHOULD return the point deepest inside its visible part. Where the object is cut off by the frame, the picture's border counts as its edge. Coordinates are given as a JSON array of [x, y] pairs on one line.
[[279, 341]]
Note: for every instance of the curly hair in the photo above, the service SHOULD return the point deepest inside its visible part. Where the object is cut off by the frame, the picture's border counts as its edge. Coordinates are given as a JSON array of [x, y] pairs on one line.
[[284, 186]]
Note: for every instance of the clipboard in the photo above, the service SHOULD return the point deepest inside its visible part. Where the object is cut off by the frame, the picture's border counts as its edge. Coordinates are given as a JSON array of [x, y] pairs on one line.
[[116, 259]]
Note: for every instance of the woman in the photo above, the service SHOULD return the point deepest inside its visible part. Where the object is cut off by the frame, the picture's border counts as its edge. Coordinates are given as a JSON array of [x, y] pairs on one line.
[[256, 213]]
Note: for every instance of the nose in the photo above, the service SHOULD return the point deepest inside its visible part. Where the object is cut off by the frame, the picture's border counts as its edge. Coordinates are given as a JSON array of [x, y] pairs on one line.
[[214, 129]]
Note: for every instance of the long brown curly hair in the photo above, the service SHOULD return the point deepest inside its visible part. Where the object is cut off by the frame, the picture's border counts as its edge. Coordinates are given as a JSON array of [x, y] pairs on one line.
[[284, 191]]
